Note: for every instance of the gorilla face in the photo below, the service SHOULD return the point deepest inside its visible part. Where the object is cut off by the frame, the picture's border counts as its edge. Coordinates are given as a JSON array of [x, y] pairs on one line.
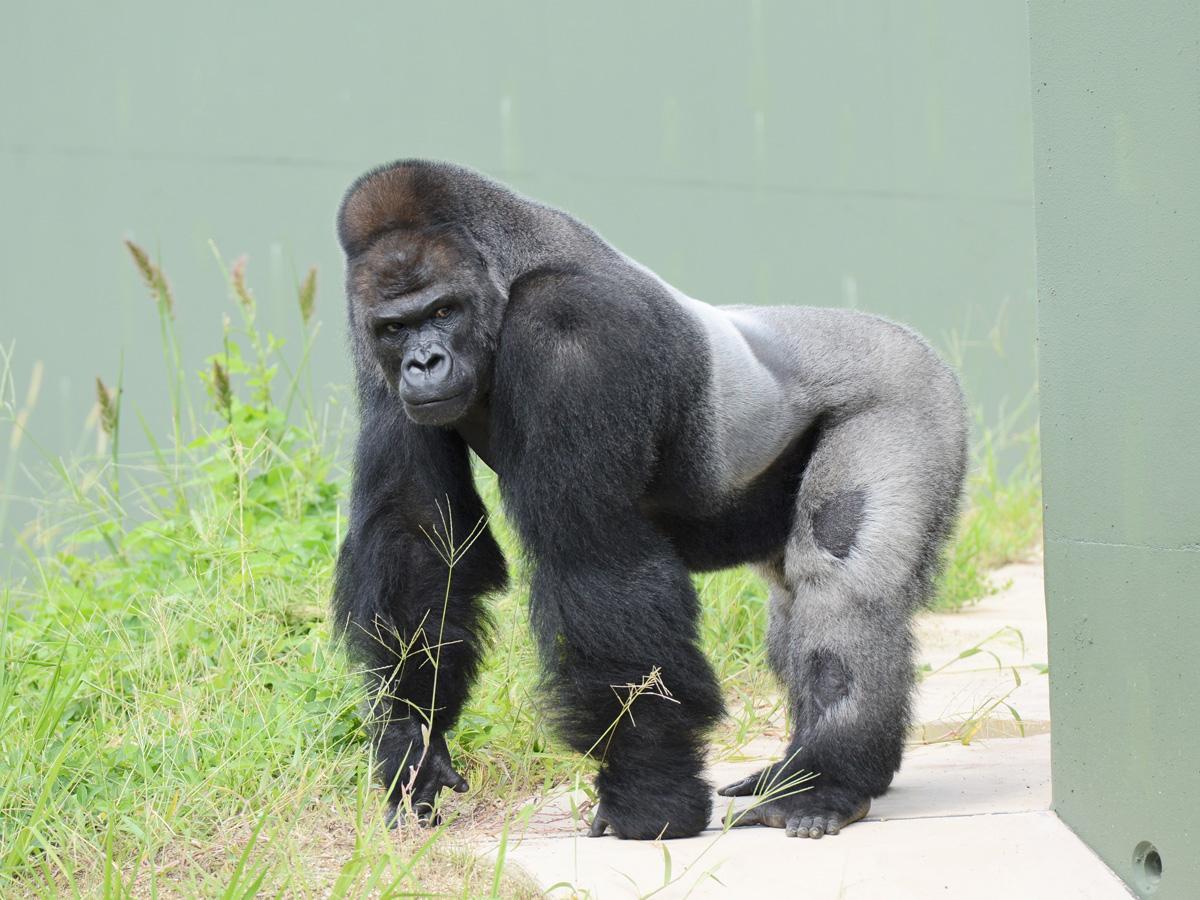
[[430, 315]]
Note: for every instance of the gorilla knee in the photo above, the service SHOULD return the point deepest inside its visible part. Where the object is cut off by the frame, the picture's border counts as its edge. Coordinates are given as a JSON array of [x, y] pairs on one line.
[[836, 522], [828, 679]]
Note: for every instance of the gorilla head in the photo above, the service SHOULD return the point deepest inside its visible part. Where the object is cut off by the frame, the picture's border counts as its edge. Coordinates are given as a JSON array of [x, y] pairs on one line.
[[424, 307], [429, 314]]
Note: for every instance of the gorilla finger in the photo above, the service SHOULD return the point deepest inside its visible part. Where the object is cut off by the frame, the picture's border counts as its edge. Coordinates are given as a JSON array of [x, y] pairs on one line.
[[599, 826], [450, 778], [730, 790], [833, 826], [793, 826], [456, 782], [427, 816], [816, 831], [398, 815]]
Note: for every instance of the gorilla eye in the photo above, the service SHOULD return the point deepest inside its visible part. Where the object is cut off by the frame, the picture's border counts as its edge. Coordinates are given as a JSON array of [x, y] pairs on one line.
[[442, 312], [391, 328]]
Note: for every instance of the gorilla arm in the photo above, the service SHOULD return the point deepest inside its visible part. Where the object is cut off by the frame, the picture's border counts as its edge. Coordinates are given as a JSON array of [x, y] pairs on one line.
[[413, 623], [587, 377]]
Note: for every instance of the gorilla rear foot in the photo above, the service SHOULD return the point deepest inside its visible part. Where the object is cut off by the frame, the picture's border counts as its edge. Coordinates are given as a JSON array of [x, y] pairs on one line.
[[812, 814], [637, 810]]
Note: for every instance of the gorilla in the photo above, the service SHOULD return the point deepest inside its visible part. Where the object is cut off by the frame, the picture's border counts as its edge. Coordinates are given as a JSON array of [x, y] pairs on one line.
[[638, 435]]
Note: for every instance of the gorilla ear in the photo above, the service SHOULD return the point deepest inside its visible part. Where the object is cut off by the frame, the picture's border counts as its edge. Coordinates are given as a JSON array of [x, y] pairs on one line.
[[411, 193]]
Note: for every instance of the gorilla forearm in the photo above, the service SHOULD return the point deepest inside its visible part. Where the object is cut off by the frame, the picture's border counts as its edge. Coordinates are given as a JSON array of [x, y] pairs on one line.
[[629, 685], [416, 627]]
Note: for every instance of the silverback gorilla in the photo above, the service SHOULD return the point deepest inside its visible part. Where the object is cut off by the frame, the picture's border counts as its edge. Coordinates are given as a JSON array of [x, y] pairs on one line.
[[638, 435]]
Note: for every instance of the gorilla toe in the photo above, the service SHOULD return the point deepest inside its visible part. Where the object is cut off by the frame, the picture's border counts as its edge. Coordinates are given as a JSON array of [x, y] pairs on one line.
[[811, 814]]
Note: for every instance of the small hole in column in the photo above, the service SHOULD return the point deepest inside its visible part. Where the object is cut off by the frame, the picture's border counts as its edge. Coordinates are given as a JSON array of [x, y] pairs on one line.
[[1147, 867]]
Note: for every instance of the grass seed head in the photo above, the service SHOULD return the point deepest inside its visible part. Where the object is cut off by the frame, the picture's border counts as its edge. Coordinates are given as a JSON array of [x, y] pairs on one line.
[[308, 295], [237, 274], [160, 290], [221, 389], [108, 407]]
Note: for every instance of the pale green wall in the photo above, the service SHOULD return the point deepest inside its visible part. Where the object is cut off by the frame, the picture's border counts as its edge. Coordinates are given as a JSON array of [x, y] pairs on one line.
[[1116, 100], [748, 151]]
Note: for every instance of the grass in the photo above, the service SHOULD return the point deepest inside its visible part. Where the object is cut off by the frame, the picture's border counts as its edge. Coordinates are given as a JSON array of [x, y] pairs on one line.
[[1001, 520], [174, 720]]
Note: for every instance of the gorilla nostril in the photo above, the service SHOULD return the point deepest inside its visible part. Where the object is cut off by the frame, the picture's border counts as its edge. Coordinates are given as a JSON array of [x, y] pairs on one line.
[[426, 367], [426, 362]]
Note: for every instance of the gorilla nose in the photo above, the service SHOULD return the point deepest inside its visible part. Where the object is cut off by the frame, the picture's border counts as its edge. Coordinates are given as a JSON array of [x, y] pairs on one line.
[[426, 366]]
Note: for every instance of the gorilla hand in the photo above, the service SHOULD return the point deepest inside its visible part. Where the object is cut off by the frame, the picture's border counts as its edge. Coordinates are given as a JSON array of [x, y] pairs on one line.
[[427, 769]]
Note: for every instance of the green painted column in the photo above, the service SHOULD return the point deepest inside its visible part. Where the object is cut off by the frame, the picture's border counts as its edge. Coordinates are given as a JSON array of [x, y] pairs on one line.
[[1116, 104]]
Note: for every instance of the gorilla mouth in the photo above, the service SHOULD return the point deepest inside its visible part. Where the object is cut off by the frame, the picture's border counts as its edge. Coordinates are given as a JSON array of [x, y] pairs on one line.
[[434, 401], [437, 410]]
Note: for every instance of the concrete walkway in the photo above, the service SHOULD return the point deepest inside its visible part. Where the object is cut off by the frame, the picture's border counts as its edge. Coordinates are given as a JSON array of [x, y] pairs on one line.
[[960, 820]]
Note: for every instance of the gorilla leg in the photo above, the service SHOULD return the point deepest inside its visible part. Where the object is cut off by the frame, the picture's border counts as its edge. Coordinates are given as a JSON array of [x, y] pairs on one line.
[[871, 518]]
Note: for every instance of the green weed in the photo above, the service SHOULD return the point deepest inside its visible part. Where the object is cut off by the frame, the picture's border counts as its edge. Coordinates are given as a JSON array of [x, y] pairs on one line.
[[1001, 520]]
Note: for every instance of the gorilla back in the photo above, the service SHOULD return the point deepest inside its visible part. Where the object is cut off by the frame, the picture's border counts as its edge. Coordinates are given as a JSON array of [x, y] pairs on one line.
[[638, 435]]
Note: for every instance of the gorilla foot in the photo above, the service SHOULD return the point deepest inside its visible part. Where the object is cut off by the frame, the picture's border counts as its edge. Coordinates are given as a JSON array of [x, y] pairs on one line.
[[811, 814]]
